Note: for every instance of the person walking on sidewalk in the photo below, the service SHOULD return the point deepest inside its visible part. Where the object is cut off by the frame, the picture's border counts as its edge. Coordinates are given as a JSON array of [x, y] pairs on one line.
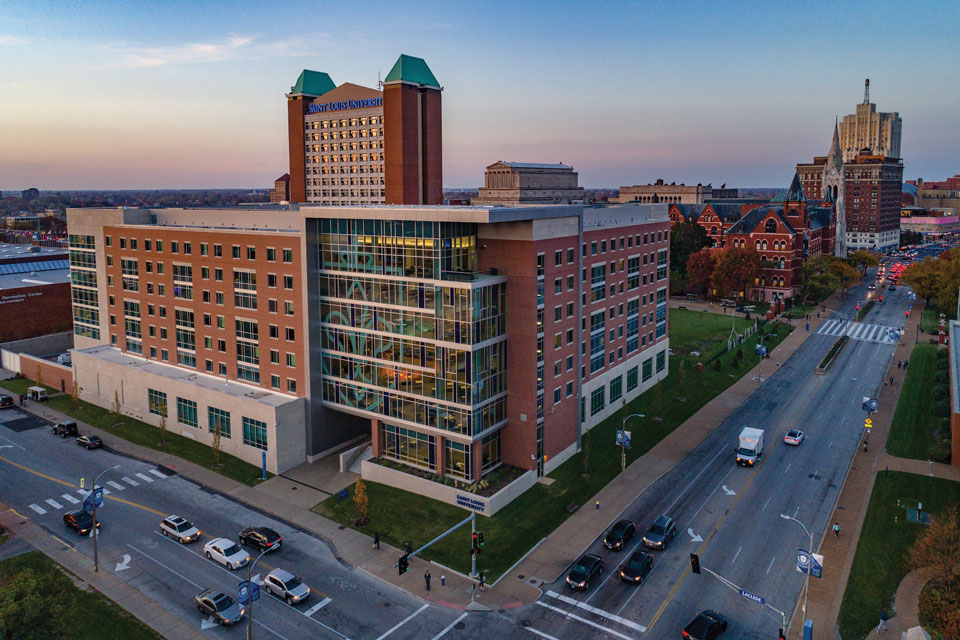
[[883, 621], [426, 578], [836, 529], [482, 581], [376, 540], [409, 549]]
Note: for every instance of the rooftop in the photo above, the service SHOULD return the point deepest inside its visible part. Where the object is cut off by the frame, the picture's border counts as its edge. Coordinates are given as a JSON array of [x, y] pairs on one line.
[[313, 83], [412, 70], [533, 165]]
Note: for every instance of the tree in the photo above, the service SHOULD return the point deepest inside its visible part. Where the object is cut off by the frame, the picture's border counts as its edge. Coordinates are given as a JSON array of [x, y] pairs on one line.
[[817, 279], [75, 394], [585, 451], [736, 270], [939, 549], [700, 268], [948, 280], [217, 442], [39, 376], [846, 275], [686, 238], [861, 259], [115, 409], [924, 278], [681, 377], [361, 502], [163, 431], [678, 282], [25, 597]]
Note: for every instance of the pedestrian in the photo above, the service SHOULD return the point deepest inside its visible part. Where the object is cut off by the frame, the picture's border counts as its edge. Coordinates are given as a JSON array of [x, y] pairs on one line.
[[409, 549], [21, 399], [443, 580], [376, 540], [598, 504], [883, 621], [482, 580], [899, 363], [426, 578], [836, 529]]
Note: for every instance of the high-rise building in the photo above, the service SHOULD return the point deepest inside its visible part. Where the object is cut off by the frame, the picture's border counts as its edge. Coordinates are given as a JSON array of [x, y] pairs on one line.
[[876, 132], [281, 189], [521, 183], [873, 187], [352, 145], [305, 330]]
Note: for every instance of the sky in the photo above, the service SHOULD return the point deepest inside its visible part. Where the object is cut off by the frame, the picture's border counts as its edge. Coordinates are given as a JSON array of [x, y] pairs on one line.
[[136, 95]]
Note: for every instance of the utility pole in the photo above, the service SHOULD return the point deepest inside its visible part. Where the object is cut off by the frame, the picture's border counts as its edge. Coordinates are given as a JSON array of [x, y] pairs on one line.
[[806, 587], [93, 499], [473, 549], [250, 595]]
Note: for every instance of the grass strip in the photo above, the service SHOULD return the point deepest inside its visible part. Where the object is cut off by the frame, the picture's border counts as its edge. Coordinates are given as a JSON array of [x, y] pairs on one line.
[[842, 340], [911, 433]]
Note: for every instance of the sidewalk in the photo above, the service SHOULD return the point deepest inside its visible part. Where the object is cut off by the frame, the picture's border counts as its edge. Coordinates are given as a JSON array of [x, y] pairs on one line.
[[140, 606], [904, 606]]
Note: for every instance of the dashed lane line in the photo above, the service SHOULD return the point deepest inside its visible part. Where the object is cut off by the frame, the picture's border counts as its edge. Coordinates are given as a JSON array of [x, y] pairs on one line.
[[597, 611], [451, 625], [540, 633], [770, 566], [320, 605], [403, 622], [583, 620]]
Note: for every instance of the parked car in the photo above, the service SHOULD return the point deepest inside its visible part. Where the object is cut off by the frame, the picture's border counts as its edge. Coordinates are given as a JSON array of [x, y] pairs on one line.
[[66, 428], [226, 552], [794, 437], [285, 585], [6, 402], [583, 571], [224, 609], [179, 528], [634, 570], [619, 535], [261, 538], [661, 533], [79, 521], [706, 626], [38, 394], [892, 287], [90, 442]]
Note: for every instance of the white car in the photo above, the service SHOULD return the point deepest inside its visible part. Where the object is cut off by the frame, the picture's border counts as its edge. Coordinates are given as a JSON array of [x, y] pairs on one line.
[[179, 528], [794, 437], [226, 552]]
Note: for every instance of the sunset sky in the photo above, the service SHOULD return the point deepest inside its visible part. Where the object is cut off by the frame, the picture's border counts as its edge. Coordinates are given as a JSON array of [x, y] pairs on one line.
[[133, 95]]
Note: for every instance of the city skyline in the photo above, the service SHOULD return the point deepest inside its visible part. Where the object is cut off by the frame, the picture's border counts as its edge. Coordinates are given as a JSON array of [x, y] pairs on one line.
[[192, 96]]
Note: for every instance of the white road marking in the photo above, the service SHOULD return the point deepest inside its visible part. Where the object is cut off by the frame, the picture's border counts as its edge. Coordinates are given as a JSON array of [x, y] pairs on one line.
[[144, 478], [130, 481], [69, 498], [179, 575], [771, 564], [12, 442], [787, 469], [540, 633], [124, 564], [451, 625], [158, 474], [39, 510], [599, 612], [829, 445], [403, 622], [53, 503], [765, 505], [320, 605], [797, 511], [116, 485], [583, 620], [736, 555], [106, 491]]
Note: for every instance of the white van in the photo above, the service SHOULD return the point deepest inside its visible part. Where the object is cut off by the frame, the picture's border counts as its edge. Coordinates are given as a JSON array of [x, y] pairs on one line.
[[38, 394]]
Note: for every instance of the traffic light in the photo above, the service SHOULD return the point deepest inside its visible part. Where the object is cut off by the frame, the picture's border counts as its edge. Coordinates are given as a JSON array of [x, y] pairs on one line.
[[858, 307], [780, 636], [476, 538], [695, 563], [404, 564], [480, 539]]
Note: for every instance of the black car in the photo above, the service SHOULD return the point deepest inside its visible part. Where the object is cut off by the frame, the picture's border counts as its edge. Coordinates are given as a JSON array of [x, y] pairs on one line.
[[79, 521], [261, 538], [706, 626], [6, 402], [585, 568], [634, 570], [618, 537], [90, 442], [661, 533]]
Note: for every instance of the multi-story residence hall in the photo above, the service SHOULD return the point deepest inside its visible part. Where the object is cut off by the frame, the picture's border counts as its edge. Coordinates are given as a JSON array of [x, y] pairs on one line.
[[454, 339]]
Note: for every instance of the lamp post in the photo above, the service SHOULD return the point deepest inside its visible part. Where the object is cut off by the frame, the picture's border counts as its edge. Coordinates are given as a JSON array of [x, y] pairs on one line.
[[806, 590], [93, 495], [250, 595], [623, 447]]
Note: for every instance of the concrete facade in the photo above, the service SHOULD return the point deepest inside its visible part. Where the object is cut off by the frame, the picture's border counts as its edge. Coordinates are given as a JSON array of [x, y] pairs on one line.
[[510, 184], [868, 129], [672, 193]]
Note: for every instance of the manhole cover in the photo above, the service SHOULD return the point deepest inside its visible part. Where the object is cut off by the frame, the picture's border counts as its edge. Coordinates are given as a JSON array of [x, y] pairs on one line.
[[459, 625], [387, 605], [520, 577]]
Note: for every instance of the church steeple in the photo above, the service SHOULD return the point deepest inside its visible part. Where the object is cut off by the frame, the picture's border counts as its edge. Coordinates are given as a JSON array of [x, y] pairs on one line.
[[835, 157]]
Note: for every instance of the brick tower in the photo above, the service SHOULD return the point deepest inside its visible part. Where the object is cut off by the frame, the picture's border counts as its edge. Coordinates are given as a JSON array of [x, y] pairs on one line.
[[310, 85], [413, 142]]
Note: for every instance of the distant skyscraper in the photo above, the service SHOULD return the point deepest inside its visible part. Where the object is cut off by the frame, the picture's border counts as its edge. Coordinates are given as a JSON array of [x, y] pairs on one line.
[[870, 129]]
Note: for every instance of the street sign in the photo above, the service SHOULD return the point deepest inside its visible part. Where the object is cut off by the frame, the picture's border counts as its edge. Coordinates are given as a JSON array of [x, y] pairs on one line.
[[874, 404], [866, 403], [816, 563], [868, 423], [752, 596], [248, 591], [761, 350], [623, 438], [96, 495]]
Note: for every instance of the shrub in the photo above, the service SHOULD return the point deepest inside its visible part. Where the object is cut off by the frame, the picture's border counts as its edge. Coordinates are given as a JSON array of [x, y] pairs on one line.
[[941, 452], [941, 377], [941, 407], [942, 354], [739, 353], [940, 392], [735, 363], [717, 366], [943, 365]]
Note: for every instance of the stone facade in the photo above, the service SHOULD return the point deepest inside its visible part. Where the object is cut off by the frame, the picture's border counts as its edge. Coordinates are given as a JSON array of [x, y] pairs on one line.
[[523, 183]]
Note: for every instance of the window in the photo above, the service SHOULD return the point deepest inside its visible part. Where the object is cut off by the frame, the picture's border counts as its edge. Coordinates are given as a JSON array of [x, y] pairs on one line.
[[274, 332], [570, 255], [597, 401], [272, 305], [557, 341], [631, 379], [556, 395], [557, 285], [157, 402], [569, 363], [254, 433], [204, 249], [274, 356], [557, 258], [288, 307], [291, 385], [291, 359], [272, 280], [274, 382], [288, 256], [186, 248], [251, 253], [647, 369], [222, 346], [288, 282], [218, 419], [187, 411], [616, 388], [218, 274], [271, 255], [235, 251], [290, 334], [661, 361]]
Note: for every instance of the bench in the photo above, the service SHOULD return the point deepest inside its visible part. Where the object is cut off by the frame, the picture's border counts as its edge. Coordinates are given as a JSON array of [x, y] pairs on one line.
[[573, 506]]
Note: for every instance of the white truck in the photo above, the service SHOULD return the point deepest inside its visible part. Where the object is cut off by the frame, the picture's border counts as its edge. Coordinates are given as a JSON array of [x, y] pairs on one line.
[[751, 446]]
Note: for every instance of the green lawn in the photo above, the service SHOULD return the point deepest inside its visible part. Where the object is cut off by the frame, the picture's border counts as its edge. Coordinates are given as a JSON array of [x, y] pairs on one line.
[[911, 434], [400, 516], [703, 332], [40, 600], [20, 385], [880, 562], [149, 436], [930, 321]]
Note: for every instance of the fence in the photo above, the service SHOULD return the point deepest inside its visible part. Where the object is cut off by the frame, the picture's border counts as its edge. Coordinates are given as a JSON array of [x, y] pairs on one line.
[[736, 339]]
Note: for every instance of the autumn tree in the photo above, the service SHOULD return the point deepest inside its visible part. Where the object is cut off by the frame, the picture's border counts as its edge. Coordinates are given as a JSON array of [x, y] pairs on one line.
[[861, 259], [163, 430], [115, 409], [817, 279], [361, 501], [700, 268], [924, 278], [75, 394], [939, 549], [948, 279], [736, 270], [686, 238], [217, 442], [846, 275]]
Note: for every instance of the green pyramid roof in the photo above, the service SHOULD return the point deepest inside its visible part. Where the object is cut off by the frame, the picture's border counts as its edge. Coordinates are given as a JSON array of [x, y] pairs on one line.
[[313, 83], [410, 69]]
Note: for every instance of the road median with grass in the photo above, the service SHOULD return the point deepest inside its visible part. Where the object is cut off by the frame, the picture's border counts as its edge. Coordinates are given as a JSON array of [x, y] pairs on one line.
[[400, 517]]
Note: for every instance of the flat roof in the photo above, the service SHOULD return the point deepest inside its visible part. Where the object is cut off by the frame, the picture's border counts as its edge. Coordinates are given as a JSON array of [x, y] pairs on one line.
[[34, 278], [10, 251], [113, 355]]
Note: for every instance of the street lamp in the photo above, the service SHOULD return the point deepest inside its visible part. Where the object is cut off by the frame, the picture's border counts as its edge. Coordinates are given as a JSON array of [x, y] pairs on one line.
[[250, 595], [806, 590], [93, 499], [623, 441]]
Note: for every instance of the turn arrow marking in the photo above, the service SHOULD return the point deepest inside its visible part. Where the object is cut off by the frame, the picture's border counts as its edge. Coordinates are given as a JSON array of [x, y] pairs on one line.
[[207, 623], [728, 491], [125, 564], [693, 537]]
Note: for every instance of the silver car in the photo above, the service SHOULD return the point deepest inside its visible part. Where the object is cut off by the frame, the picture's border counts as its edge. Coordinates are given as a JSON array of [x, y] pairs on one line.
[[284, 584], [661, 533], [224, 609]]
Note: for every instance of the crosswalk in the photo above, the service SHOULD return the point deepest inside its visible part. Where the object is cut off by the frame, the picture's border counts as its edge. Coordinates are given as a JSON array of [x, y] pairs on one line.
[[55, 504], [878, 333]]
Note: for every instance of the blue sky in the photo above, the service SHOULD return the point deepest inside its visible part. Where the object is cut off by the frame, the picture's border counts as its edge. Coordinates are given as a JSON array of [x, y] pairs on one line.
[[191, 94]]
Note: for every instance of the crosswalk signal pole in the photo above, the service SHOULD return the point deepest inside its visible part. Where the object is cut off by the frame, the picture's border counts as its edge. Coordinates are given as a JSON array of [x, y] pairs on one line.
[[473, 548]]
